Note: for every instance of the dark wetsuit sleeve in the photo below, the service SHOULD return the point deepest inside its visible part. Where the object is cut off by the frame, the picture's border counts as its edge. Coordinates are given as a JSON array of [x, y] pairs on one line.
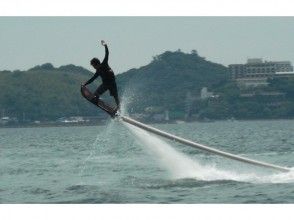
[[106, 55], [92, 79]]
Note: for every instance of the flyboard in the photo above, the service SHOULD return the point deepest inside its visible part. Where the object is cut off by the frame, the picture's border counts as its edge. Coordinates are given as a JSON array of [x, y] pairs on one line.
[[89, 96], [98, 102]]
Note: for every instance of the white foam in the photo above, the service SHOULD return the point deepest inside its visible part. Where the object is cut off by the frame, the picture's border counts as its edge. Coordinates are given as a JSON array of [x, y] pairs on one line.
[[179, 165]]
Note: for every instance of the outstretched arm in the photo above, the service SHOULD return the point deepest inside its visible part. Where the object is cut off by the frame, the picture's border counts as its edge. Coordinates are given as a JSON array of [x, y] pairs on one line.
[[105, 60], [92, 79]]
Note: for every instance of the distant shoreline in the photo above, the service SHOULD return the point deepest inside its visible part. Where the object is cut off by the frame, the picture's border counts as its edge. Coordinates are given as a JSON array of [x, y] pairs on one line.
[[103, 123]]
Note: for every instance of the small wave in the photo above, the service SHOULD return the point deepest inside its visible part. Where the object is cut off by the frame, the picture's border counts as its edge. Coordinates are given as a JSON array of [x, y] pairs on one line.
[[18, 171], [94, 200], [81, 201], [37, 191], [81, 188], [189, 183], [93, 195]]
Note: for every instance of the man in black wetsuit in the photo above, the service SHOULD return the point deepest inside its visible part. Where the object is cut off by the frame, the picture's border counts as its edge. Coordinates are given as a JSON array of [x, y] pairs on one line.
[[107, 76]]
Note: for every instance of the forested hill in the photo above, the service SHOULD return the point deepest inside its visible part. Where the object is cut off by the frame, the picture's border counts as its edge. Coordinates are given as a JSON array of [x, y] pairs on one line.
[[44, 92], [167, 80], [47, 92]]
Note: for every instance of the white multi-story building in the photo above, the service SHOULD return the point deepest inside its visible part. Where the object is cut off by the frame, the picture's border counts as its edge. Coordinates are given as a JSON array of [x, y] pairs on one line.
[[256, 72]]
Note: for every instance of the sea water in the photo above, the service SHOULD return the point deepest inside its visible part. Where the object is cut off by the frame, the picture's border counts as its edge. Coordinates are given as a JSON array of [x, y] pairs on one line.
[[119, 163]]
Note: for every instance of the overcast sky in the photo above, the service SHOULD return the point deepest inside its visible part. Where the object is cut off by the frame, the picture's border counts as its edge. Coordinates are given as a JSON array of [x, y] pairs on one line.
[[133, 41]]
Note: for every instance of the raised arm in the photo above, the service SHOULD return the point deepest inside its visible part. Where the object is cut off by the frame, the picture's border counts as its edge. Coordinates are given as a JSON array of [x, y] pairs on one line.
[[92, 79], [105, 60]]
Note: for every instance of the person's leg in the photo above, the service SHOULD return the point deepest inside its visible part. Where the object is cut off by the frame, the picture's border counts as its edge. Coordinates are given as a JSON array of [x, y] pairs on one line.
[[117, 101], [113, 92], [99, 91]]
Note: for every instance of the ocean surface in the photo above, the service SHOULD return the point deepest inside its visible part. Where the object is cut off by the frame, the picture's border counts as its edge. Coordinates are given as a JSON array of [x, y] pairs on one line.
[[118, 163]]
